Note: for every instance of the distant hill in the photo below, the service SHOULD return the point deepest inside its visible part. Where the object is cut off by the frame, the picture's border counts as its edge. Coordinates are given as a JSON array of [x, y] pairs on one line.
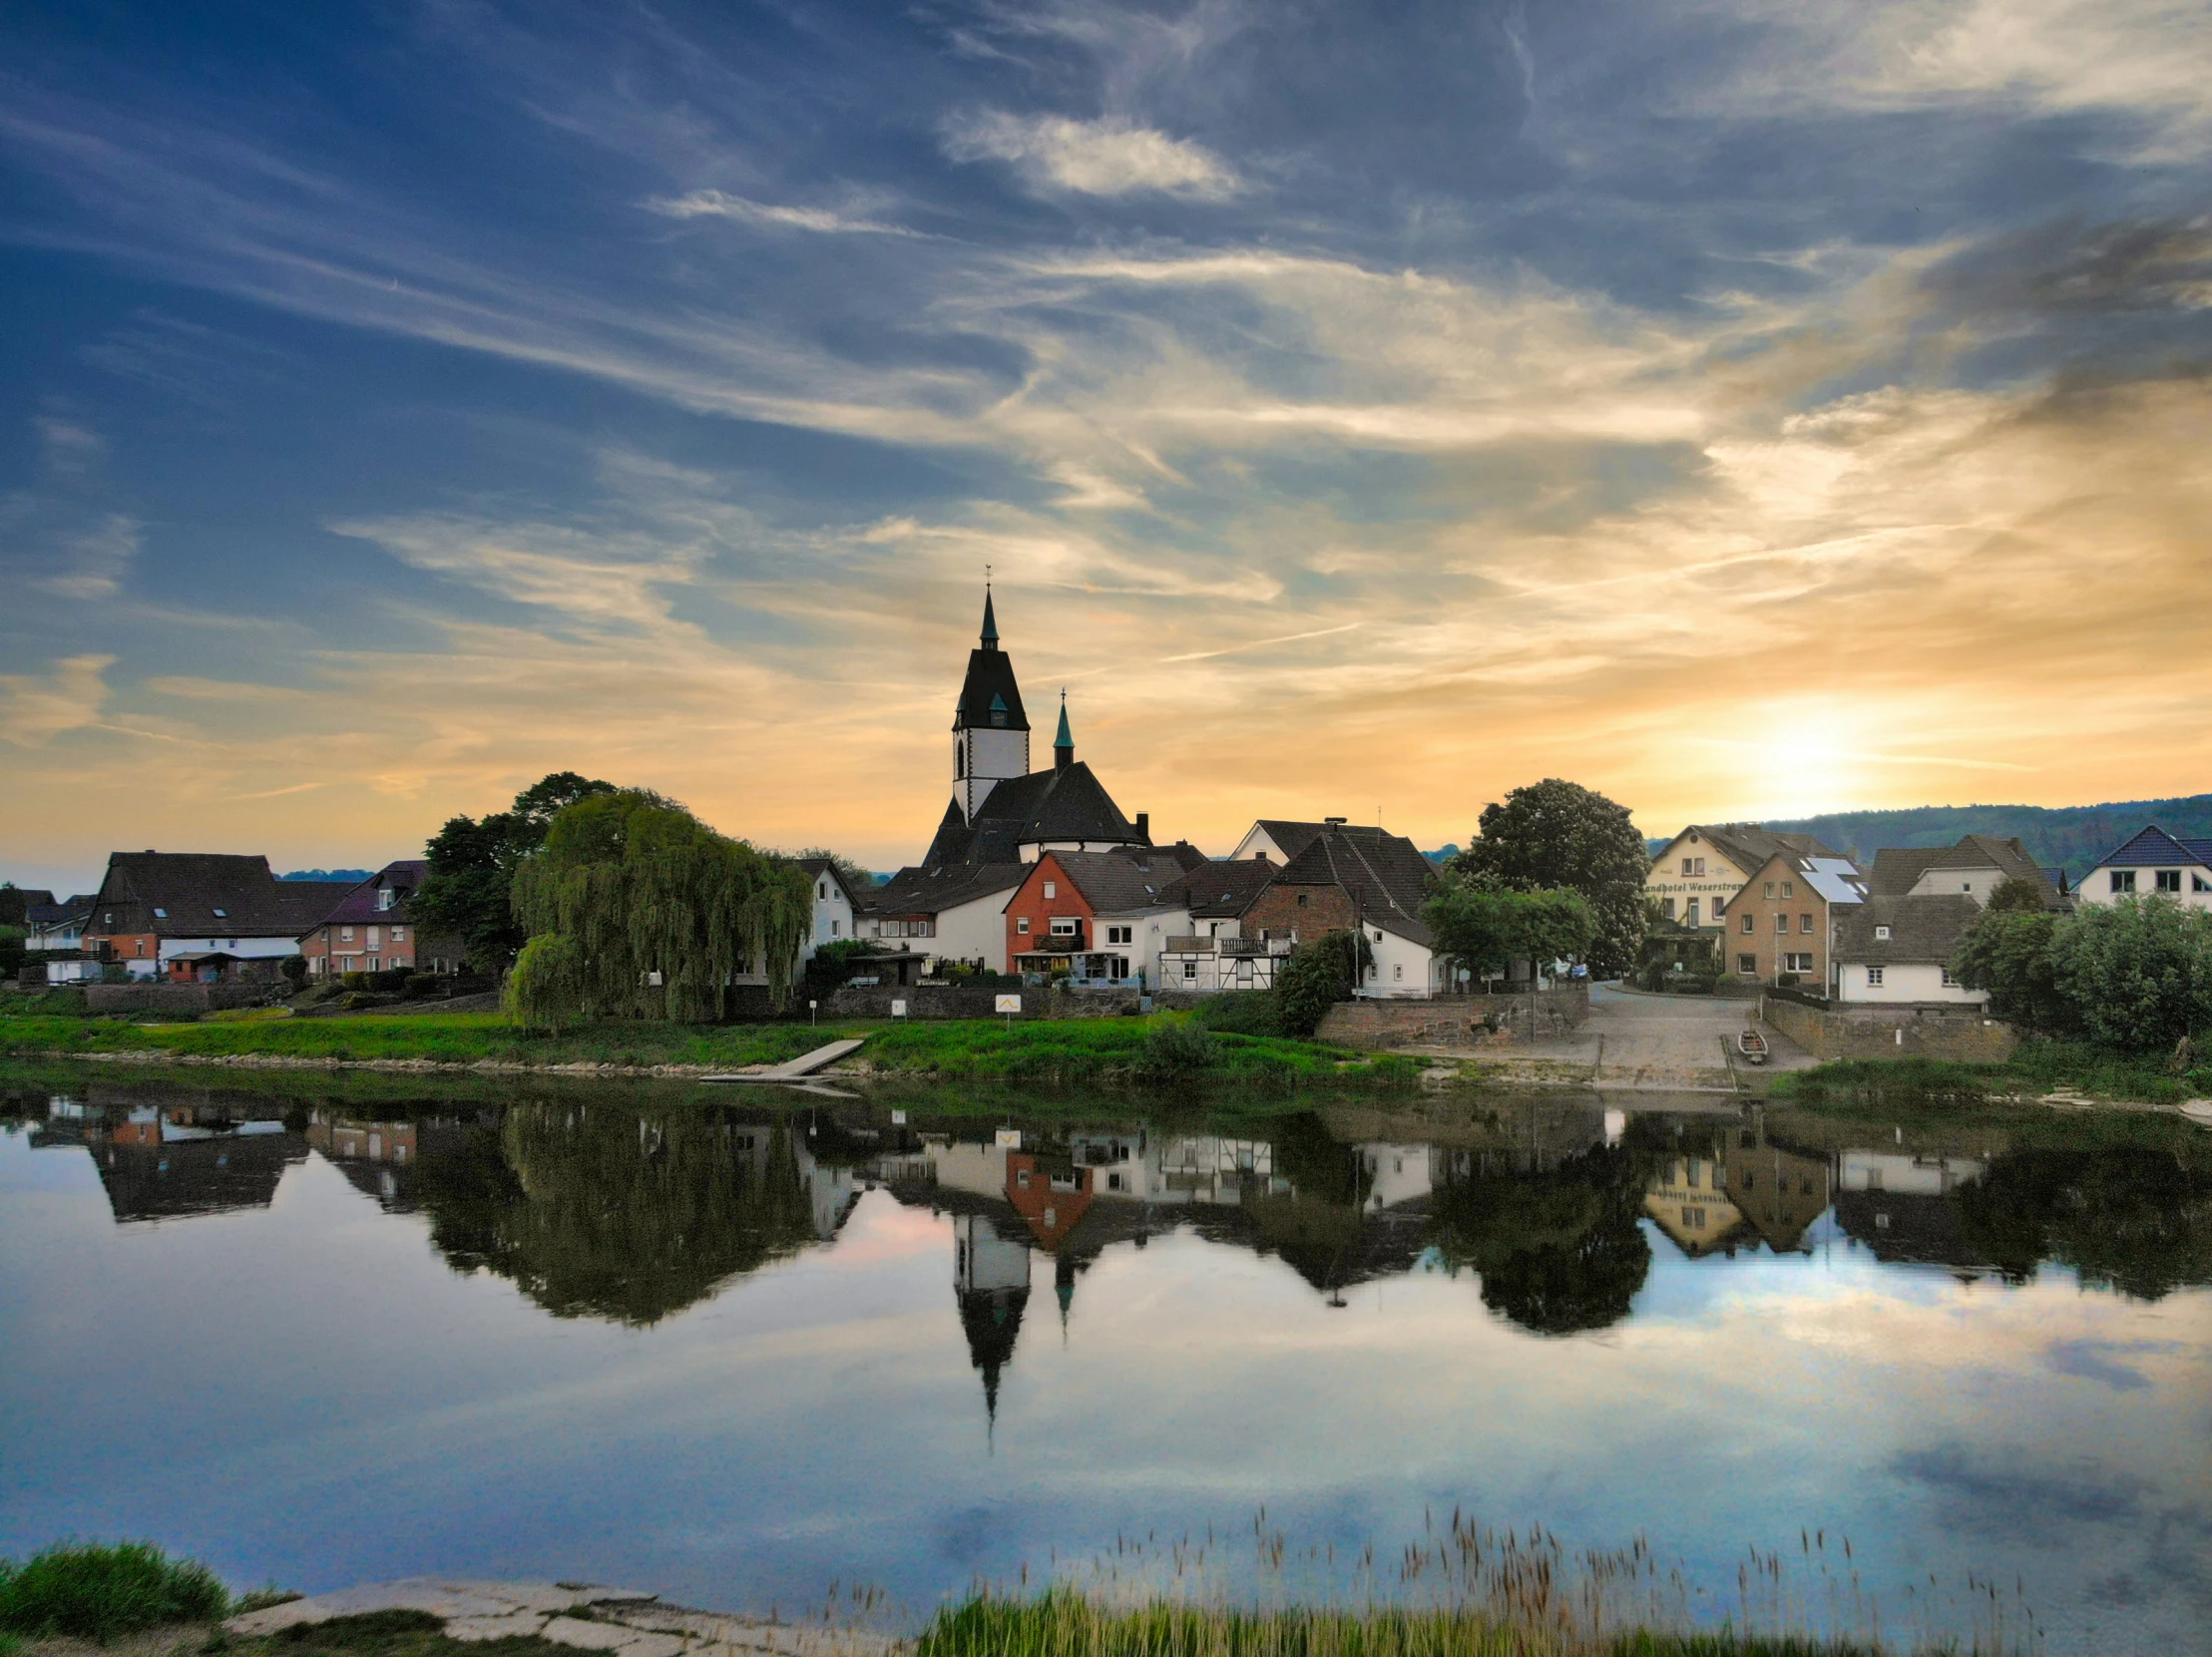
[[328, 874], [2070, 837]]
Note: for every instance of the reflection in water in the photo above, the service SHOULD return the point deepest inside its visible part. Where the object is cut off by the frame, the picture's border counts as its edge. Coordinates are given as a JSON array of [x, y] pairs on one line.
[[195, 1155]]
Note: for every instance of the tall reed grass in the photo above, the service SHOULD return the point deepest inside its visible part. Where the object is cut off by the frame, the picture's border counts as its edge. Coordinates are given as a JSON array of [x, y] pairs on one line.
[[96, 1591]]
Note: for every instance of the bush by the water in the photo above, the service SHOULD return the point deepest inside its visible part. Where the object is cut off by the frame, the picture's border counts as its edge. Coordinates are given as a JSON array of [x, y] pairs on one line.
[[1175, 1049], [96, 1591], [1241, 1013]]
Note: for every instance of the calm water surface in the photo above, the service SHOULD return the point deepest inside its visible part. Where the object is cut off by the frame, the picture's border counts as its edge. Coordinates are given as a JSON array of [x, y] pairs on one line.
[[737, 1353]]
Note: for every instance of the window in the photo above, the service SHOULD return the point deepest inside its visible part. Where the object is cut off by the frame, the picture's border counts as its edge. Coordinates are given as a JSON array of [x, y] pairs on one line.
[[1781, 923], [960, 761], [158, 914], [2169, 880], [835, 927], [1701, 868], [384, 898], [347, 933], [1769, 892], [1747, 966], [222, 914], [1023, 1178], [1789, 889], [2123, 882], [1022, 925], [1798, 962], [2197, 883], [1301, 900], [1689, 912], [399, 935], [1064, 926], [1667, 909], [1052, 889], [1118, 934], [823, 891], [1804, 922], [1949, 982], [1881, 934], [1189, 971], [1874, 978], [375, 965], [1747, 923], [1693, 1219], [1397, 971]]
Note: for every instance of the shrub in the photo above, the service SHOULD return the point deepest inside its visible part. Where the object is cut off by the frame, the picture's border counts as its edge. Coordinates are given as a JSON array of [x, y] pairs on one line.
[[1241, 1013], [295, 969], [2140, 973], [1175, 1050], [354, 981], [96, 1591]]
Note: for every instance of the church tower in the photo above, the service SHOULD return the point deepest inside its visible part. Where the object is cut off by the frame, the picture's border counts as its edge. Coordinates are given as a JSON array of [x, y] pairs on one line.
[[990, 733]]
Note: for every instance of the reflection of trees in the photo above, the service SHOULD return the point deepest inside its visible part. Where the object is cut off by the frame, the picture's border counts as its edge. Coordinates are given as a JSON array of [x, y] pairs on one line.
[[2128, 1217], [1559, 1249], [597, 1211], [1316, 1226]]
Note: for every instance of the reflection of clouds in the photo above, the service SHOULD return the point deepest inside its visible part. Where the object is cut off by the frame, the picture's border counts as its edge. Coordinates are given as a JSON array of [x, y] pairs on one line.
[[1996, 1490]]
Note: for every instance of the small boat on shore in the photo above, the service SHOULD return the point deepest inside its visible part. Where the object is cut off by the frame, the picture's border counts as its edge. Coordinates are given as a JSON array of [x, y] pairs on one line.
[[1753, 1047]]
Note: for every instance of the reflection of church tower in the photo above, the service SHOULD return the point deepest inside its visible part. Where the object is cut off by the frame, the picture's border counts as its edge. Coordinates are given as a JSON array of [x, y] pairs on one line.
[[991, 1277], [990, 733]]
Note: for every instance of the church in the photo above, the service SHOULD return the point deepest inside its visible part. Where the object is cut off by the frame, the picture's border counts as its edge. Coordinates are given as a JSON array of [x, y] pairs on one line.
[[1001, 810]]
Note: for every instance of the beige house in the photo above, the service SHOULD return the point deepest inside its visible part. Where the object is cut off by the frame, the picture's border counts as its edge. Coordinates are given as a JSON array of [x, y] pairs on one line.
[[1782, 924], [1705, 865]]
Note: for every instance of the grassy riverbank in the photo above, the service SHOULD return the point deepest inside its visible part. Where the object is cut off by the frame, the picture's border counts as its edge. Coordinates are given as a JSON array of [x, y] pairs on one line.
[[2039, 1069], [1068, 1050]]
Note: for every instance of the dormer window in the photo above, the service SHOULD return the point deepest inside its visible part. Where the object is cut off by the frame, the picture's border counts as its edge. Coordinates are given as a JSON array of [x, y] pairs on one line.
[[384, 897]]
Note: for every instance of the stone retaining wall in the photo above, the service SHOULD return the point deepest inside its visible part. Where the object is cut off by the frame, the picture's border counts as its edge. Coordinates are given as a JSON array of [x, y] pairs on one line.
[[1455, 1020], [923, 1000], [176, 997], [1905, 1031]]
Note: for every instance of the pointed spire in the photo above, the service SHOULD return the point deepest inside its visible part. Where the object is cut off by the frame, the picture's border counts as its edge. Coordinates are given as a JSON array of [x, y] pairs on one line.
[[1064, 745], [990, 621]]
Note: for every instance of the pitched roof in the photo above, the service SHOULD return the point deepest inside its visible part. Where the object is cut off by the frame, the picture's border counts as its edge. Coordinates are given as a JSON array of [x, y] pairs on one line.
[[1749, 845], [1114, 883], [178, 894], [1186, 855], [2154, 846], [816, 867], [360, 903], [1218, 891], [1896, 869], [1385, 876], [1292, 838], [1921, 930], [35, 897], [932, 891], [75, 908]]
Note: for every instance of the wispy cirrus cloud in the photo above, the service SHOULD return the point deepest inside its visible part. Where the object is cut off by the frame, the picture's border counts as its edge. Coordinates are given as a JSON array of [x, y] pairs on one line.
[[715, 203], [1091, 157]]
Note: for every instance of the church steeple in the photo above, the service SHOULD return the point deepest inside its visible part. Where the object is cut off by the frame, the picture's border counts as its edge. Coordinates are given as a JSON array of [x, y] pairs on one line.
[[990, 621], [1064, 745]]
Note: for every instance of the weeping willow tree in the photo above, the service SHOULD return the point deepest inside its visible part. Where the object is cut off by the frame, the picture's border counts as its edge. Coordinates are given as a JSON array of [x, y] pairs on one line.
[[638, 909]]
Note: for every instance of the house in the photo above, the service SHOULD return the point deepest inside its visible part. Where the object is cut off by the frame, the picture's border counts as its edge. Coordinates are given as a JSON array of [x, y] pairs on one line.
[[1975, 868], [1000, 811], [1101, 917], [956, 911], [202, 917], [372, 928], [1899, 948], [836, 904], [1347, 879], [1220, 953], [2153, 863], [55, 937], [1705, 865], [1781, 924]]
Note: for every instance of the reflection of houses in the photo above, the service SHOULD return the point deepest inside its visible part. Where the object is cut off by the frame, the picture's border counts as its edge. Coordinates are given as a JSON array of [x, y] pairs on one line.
[[1690, 1200], [161, 1163], [1396, 1175], [1747, 1189], [1899, 1206]]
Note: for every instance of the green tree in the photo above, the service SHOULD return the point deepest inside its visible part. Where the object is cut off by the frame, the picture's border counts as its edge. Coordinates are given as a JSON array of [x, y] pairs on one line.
[[1556, 833], [2138, 972], [1321, 973], [2017, 892], [638, 909], [468, 892], [1486, 929], [2007, 952], [1559, 1250]]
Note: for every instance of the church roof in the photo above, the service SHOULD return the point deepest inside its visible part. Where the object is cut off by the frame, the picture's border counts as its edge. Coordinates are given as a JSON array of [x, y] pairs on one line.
[[1068, 803], [989, 682]]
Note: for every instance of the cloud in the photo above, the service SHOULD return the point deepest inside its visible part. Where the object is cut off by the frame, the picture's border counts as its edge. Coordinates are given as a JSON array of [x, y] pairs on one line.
[[714, 204], [95, 558], [34, 709], [1093, 158], [67, 446]]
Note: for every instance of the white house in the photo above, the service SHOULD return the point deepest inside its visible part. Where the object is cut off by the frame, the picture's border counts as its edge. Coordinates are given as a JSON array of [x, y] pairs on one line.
[[1707, 864], [1975, 868], [1220, 952], [1898, 950], [2155, 864], [957, 911], [835, 906]]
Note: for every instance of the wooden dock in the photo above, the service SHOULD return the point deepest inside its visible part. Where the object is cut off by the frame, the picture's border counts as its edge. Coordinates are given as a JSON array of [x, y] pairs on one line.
[[796, 1070]]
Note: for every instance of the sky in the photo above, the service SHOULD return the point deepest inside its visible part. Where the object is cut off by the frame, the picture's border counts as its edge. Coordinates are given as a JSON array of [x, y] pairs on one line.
[[1744, 407]]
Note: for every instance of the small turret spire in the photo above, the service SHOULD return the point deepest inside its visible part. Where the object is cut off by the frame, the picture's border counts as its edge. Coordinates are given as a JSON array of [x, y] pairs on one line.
[[990, 619], [1064, 745]]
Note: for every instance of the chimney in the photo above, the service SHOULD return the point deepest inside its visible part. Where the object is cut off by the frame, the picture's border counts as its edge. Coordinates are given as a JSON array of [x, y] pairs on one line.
[[1336, 822], [1145, 827]]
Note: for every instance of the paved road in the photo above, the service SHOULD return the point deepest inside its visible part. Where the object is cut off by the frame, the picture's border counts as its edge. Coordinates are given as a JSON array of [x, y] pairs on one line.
[[1639, 1039]]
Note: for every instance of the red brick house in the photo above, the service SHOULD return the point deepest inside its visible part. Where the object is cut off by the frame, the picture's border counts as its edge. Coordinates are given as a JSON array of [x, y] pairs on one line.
[[1100, 917], [373, 930]]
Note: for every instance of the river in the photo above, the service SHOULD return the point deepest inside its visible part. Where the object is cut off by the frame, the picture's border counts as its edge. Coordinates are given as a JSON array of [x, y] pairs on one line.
[[752, 1353]]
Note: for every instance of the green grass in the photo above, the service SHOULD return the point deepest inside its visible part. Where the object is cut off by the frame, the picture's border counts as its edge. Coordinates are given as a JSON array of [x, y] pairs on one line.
[[1066, 1625], [96, 1591], [2038, 1068], [1074, 1049], [389, 1634]]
